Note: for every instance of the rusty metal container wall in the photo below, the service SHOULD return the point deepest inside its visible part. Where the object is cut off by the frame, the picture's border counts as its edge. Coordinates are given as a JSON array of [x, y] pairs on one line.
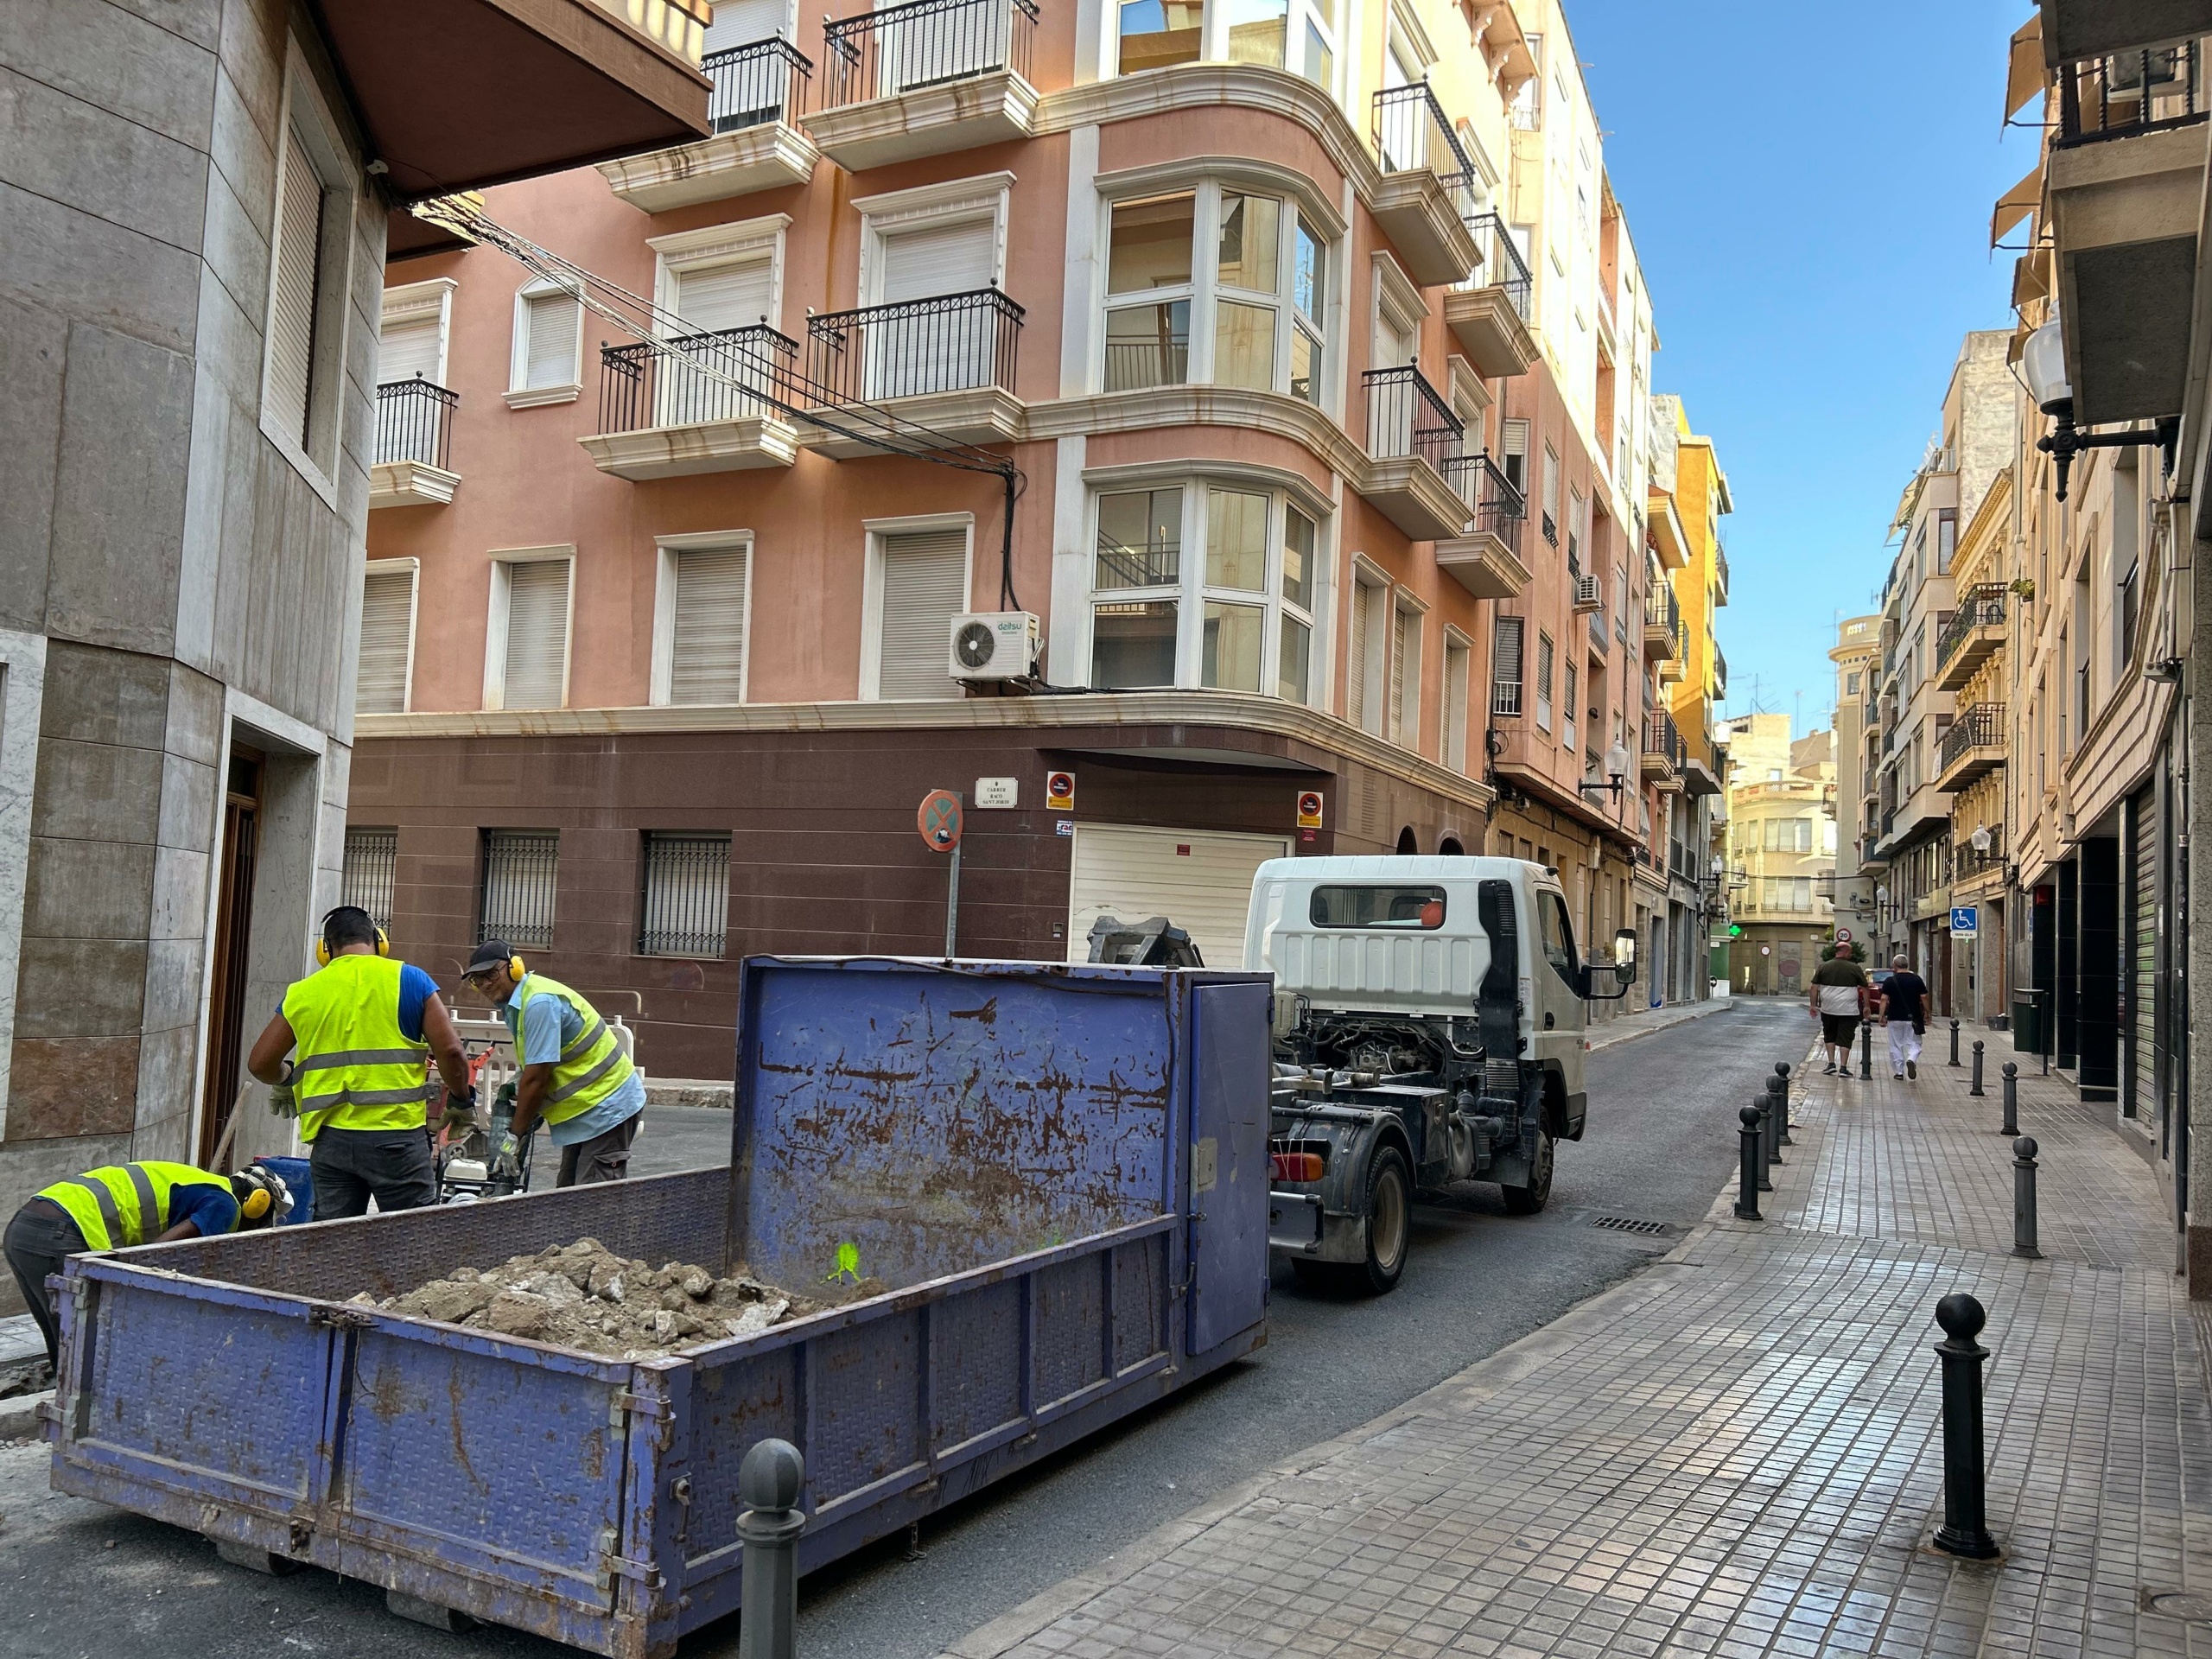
[[222, 1386]]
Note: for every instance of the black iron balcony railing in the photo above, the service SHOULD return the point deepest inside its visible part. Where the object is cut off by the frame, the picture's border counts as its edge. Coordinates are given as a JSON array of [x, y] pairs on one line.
[[1661, 737], [1967, 860], [1502, 265], [1720, 567], [956, 342], [415, 422], [756, 85], [1405, 416], [1499, 509], [924, 43], [1720, 673], [1982, 607], [2129, 93], [686, 381], [1981, 727], [1412, 133]]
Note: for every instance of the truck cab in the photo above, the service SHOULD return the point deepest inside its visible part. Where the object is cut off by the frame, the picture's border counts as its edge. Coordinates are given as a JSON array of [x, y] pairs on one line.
[[1429, 1029]]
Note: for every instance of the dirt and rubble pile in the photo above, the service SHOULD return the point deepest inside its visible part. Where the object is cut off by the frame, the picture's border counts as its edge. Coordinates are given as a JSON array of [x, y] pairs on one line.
[[583, 1295]]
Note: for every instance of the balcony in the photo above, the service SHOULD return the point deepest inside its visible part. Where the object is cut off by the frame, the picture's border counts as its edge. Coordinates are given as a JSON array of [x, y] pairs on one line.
[[1975, 631], [942, 367], [1410, 434], [453, 95], [1663, 752], [414, 435], [1662, 625], [760, 92], [1427, 193], [1719, 573], [1490, 316], [1972, 748], [1487, 559], [2127, 184], [1720, 674], [1969, 863], [925, 79], [693, 404]]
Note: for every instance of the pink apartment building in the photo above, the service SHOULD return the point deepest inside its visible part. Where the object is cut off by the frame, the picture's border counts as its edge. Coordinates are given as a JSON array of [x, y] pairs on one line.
[[1323, 420]]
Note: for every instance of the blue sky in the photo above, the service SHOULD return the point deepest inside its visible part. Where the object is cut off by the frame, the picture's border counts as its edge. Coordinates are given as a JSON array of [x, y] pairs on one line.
[[1811, 200]]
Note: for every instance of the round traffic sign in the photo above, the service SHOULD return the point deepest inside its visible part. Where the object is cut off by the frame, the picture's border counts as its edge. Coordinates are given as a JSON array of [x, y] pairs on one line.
[[1843, 936], [939, 820]]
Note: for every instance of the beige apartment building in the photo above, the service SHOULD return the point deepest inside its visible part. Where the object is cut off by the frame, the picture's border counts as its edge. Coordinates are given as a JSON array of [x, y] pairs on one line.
[[1270, 388], [1781, 854], [198, 202], [1857, 655]]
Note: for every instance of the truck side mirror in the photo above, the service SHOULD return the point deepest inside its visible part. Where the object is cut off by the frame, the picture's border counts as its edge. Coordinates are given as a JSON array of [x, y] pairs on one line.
[[1624, 956]]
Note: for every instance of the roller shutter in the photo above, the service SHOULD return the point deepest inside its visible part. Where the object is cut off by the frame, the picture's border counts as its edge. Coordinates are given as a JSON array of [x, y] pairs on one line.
[[1201, 880], [924, 587], [2143, 954], [292, 304], [387, 627], [537, 634], [707, 657]]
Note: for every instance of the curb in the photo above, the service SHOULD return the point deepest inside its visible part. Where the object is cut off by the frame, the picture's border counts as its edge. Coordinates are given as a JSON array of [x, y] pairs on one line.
[[1606, 1038]]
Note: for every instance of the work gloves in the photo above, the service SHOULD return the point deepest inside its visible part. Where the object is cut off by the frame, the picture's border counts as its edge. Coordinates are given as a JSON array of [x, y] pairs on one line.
[[281, 1101], [506, 1159]]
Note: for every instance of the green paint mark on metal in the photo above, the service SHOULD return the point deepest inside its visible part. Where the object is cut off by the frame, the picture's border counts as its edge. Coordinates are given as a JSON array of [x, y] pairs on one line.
[[849, 1264]]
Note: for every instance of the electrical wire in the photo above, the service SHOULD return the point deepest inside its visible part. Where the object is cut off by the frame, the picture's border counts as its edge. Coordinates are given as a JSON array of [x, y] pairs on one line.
[[779, 385]]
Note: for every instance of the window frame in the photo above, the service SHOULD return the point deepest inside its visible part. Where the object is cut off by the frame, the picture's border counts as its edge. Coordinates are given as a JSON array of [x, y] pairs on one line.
[[660, 690], [413, 566], [504, 561], [974, 199], [743, 241], [409, 301], [520, 394], [303, 110], [1191, 592], [646, 838], [877, 531]]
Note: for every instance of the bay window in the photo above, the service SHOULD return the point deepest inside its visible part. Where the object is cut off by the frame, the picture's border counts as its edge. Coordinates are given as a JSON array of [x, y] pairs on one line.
[[1204, 583], [1214, 285], [1300, 36]]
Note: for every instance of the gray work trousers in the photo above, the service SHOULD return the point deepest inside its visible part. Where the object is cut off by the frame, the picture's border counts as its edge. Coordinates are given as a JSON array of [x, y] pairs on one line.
[[605, 1157], [41, 1235], [349, 1166]]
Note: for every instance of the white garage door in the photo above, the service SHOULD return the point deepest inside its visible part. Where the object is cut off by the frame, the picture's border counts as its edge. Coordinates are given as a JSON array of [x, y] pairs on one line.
[[1201, 880]]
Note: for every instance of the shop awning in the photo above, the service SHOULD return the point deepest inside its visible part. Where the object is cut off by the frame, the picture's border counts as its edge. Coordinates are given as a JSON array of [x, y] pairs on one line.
[[2025, 79], [2015, 204]]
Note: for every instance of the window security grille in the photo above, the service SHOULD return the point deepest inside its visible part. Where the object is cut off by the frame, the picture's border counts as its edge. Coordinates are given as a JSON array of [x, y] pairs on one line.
[[520, 866], [372, 861], [686, 908]]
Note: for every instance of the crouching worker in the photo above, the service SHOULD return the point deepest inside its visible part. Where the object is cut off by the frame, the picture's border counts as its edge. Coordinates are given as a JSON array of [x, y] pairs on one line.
[[364, 1025], [120, 1205]]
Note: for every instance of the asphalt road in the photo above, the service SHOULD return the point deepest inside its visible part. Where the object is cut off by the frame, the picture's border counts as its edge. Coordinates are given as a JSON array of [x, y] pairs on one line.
[[81, 1580]]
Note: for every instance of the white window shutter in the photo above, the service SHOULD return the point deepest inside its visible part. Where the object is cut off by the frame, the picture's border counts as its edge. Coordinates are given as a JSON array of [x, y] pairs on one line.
[[741, 22], [292, 307], [924, 587], [1362, 615], [553, 323], [707, 660], [715, 298], [1505, 667], [387, 620], [537, 634], [406, 350], [1401, 640], [939, 259]]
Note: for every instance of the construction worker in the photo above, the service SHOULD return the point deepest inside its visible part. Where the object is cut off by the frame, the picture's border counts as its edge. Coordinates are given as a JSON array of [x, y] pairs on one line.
[[575, 1074], [117, 1205], [363, 1024]]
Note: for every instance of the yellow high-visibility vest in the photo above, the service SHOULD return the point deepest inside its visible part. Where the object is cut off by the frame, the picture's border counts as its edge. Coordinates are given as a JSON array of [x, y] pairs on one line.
[[356, 1069], [120, 1205], [591, 1068]]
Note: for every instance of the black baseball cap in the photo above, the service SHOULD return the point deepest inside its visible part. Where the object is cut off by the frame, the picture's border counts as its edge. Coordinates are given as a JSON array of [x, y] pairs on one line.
[[492, 953]]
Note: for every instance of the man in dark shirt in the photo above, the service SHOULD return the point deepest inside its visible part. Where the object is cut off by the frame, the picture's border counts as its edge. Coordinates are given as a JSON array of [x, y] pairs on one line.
[[1837, 989], [1904, 1015]]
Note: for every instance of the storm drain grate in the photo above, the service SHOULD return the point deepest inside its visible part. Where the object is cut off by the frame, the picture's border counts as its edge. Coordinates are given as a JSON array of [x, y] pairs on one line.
[[1628, 1224]]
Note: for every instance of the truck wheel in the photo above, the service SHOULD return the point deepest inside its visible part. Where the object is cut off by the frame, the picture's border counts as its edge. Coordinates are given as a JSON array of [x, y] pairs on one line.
[[1528, 1200], [1390, 1222]]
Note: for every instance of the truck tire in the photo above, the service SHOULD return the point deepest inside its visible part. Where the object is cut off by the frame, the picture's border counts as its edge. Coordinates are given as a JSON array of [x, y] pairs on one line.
[[1528, 1200], [1389, 1227]]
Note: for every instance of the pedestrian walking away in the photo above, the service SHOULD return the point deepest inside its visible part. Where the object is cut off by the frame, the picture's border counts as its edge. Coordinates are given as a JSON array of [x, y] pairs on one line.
[[118, 1205], [1904, 1018], [1839, 985], [365, 1027], [575, 1074]]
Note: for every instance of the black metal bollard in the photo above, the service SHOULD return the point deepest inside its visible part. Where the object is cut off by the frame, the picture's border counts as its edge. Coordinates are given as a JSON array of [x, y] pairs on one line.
[[1762, 1105], [768, 1483], [1776, 1117], [1866, 1048], [1954, 1042], [2011, 1098], [1975, 1088], [2024, 1198], [1747, 1168], [1781, 1071], [1965, 1530]]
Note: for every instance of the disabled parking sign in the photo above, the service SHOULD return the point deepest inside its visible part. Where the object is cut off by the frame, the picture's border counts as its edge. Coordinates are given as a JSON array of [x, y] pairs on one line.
[[1966, 921]]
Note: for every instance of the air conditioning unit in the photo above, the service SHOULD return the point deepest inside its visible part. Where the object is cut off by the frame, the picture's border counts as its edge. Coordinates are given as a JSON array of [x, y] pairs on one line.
[[995, 646], [1586, 595]]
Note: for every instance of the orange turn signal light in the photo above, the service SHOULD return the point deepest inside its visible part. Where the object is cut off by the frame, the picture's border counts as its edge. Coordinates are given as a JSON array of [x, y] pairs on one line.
[[1297, 1165]]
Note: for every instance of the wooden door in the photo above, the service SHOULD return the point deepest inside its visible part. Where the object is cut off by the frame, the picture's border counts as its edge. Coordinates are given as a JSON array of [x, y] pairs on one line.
[[226, 1009]]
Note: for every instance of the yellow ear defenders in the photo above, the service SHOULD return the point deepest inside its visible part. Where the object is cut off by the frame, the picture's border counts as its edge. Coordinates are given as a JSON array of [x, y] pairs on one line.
[[515, 970], [322, 944], [261, 1195]]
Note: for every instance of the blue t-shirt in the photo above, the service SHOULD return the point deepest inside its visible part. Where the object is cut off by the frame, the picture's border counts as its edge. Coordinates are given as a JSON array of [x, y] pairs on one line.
[[416, 989], [211, 1209], [549, 1026]]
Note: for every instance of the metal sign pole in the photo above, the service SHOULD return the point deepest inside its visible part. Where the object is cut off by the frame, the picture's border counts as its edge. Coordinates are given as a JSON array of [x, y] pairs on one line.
[[952, 899]]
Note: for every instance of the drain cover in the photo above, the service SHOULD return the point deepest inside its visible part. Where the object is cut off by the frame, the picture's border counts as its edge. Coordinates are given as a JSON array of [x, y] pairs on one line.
[[1625, 1224], [2176, 1603]]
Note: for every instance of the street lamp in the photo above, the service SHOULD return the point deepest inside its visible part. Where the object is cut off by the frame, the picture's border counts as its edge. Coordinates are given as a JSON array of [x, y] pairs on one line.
[[1617, 764], [2042, 361], [1979, 840]]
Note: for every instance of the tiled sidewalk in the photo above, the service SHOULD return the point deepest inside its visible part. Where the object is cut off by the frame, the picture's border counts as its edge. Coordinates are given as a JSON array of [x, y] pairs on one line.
[[1739, 1452]]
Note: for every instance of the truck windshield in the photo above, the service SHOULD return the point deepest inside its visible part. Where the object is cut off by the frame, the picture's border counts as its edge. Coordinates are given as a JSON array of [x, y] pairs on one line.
[[1406, 907]]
